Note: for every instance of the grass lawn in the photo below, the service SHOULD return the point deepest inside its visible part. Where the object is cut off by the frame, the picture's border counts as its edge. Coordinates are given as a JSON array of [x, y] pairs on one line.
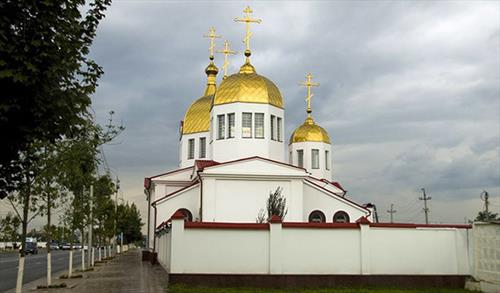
[[191, 289]]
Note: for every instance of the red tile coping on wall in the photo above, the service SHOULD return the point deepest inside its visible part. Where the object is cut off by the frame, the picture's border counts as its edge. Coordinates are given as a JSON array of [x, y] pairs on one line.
[[219, 225], [275, 219], [409, 225], [178, 215], [321, 225], [307, 225]]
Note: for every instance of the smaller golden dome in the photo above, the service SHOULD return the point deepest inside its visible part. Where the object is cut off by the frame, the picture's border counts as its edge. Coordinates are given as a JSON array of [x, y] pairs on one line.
[[211, 69], [197, 118], [310, 131]]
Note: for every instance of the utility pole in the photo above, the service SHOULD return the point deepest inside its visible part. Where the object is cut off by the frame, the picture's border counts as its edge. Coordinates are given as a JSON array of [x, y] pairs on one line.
[[90, 226], [485, 197], [425, 198], [392, 211], [116, 215]]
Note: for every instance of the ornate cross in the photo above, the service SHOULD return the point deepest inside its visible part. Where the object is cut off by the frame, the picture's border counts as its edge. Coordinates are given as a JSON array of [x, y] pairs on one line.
[[309, 83], [212, 36], [226, 52], [247, 19]]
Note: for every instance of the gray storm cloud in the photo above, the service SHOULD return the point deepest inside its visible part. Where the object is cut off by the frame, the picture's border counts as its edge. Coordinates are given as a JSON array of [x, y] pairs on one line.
[[409, 90]]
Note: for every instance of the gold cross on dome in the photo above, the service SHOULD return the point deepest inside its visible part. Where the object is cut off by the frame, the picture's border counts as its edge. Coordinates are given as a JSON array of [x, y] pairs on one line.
[[247, 19], [309, 83], [226, 52], [212, 36]]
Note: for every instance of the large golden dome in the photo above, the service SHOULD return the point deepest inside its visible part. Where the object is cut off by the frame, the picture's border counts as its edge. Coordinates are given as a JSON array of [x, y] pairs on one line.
[[197, 118], [248, 87], [310, 131]]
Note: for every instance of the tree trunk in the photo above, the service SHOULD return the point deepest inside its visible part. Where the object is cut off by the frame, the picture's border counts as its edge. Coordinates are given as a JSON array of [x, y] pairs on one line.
[[22, 252]]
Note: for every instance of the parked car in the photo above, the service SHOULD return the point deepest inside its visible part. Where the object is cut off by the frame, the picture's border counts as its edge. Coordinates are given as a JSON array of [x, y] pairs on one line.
[[54, 246], [77, 246], [64, 246], [31, 247]]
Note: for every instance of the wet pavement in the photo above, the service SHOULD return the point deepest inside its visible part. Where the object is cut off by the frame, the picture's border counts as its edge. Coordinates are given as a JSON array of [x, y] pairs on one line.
[[125, 273]]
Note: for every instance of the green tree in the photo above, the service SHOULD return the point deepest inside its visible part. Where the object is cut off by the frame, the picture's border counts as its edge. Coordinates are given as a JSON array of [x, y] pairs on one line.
[[129, 222], [9, 228], [46, 76], [486, 216], [275, 206]]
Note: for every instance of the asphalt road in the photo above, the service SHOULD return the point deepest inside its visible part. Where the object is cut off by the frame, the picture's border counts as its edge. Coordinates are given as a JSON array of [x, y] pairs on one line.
[[35, 266]]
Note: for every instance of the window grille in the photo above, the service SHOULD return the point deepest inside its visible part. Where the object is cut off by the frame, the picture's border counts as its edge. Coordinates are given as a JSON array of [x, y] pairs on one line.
[[273, 127], [315, 159], [327, 160], [246, 125], [203, 147], [259, 125], [300, 158], [191, 149], [278, 129], [231, 125], [221, 128]]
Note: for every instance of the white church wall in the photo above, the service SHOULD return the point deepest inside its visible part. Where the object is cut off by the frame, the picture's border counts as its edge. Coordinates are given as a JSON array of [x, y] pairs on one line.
[[187, 199], [184, 161], [302, 248], [240, 200], [228, 149], [256, 166], [333, 251], [315, 199], [324, 171]]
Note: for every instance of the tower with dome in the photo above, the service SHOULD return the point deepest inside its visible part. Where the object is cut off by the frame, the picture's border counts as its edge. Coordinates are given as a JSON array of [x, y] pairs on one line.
[[233, 154]]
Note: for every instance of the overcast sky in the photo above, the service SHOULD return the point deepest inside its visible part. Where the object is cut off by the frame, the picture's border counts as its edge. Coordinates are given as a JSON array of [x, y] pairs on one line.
[[410, 90]]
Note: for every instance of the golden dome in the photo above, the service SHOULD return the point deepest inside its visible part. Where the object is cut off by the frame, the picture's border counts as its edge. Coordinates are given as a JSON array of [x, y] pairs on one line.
[[310, 131], [197, 118], [248, 87]]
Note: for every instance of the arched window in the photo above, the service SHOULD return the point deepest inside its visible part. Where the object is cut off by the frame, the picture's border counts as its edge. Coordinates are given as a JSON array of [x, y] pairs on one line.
[[317, 217], [341, 217], [188, 217]]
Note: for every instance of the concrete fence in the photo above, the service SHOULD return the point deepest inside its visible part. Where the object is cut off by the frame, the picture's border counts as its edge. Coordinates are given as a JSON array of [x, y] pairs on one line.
[[486, 256], [314, 249]]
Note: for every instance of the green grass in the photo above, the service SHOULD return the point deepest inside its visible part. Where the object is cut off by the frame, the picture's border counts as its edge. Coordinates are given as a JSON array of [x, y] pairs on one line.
[[191, 289]]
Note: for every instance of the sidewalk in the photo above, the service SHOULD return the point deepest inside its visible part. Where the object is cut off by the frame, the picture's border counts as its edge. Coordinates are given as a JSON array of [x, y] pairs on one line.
[[125, 273]]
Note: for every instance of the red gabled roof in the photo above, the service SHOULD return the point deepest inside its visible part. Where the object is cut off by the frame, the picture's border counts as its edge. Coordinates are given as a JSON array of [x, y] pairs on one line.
[[334, 183], [202, 164], [257, 157], [170, 172], [331, 192], [175, 192]]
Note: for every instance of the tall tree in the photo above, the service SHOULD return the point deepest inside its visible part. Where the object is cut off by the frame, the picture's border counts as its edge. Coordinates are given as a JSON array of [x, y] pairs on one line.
[[46, 76]]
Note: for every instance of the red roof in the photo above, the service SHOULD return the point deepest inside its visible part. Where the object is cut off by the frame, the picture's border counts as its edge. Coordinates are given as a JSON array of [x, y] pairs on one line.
[[202, 164]]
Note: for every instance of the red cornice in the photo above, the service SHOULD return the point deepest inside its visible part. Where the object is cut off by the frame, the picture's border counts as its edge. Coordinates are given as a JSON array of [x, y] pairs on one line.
[[175, 192], [219, 225]]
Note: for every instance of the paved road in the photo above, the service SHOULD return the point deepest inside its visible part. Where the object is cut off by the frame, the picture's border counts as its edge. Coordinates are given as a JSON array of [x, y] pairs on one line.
[[35, 266]]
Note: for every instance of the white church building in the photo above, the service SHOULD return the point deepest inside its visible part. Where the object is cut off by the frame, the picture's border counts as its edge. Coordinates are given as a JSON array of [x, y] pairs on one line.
[[233, 154]]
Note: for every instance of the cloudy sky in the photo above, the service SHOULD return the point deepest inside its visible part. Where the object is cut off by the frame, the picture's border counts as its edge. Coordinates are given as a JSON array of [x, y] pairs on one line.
[[410, 90]]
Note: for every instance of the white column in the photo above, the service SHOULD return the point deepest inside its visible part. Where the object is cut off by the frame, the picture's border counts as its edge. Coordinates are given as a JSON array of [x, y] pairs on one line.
[[275, 251], [177, 244], [364, 229]]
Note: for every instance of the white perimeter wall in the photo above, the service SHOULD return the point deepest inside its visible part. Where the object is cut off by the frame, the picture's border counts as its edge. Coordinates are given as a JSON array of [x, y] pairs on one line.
[[292, 250]]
